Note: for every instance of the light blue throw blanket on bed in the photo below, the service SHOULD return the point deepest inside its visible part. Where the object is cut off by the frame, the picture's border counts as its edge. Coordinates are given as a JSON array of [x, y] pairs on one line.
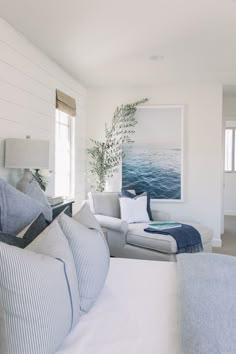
[[207, 296]]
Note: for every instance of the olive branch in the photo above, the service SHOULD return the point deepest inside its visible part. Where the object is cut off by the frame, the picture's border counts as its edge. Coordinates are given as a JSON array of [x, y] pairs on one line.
[[105, 157]]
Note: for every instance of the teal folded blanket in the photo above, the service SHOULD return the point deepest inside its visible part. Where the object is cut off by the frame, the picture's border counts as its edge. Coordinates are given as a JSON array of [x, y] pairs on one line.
[[187, 238]]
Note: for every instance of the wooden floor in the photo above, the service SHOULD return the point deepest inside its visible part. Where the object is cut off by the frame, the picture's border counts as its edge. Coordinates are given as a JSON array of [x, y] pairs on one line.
[[229, 237]]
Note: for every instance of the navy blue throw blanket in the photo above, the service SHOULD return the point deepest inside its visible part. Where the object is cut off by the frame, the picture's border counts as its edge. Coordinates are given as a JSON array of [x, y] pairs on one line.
[[187, 238]]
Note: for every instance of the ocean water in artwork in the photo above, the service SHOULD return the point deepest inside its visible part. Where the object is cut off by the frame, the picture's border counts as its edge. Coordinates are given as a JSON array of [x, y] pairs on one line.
[[147, 167]]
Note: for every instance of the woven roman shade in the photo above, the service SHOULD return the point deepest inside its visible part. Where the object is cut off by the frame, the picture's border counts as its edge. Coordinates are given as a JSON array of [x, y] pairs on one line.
[[65, 103]]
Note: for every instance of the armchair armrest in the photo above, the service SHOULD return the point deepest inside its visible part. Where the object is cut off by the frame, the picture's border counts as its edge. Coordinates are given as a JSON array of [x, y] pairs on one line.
[[111, 223]]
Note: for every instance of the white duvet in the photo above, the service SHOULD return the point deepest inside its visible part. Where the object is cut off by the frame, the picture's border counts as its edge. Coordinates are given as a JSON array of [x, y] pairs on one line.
[[136, 313]]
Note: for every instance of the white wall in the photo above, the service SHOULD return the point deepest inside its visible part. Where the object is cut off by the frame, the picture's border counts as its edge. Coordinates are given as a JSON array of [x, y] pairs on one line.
[[28, 80], [230, 193], [229, 107], [203, 145], [229, 115]]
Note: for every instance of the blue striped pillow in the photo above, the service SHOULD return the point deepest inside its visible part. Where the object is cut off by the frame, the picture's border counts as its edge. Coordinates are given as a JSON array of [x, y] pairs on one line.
[[91, 257], [35, 306], [53, 243]]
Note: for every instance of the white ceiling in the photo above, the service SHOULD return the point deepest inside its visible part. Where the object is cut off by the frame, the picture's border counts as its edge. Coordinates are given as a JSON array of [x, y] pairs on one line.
[[108, 42]]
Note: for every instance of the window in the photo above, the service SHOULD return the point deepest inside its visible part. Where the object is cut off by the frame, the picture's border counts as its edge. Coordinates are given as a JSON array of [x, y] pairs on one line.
[[64, 155], [230, 150]]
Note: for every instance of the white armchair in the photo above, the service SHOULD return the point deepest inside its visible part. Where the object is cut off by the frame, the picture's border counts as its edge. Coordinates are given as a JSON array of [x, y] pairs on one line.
[[130, 240]]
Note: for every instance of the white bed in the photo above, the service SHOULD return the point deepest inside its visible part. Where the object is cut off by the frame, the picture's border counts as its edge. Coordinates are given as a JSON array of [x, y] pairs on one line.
[[136, 312]]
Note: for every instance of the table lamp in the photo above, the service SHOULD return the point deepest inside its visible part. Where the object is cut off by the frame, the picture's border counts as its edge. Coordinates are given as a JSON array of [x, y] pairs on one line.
[[27, 154]]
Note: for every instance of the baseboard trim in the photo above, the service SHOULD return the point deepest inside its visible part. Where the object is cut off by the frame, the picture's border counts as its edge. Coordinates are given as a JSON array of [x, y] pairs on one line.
[[230, 212], [217, 243]]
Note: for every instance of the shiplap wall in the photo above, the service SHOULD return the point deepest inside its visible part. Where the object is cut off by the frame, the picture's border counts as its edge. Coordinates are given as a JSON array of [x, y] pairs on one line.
[[28, 80]]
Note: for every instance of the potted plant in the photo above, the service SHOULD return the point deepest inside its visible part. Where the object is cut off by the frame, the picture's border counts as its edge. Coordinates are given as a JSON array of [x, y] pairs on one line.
[[105, 156]]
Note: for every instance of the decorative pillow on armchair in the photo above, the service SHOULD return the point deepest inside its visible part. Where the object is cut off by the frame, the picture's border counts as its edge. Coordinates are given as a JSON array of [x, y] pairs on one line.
[[134, 209], [132, 194], [17, 210]]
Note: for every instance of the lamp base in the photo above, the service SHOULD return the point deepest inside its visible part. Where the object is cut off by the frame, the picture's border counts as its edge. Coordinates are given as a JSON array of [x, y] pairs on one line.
[[25, 180]]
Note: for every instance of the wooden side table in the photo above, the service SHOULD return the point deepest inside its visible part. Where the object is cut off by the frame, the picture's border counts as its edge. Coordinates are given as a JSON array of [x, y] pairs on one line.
[[57, 209]]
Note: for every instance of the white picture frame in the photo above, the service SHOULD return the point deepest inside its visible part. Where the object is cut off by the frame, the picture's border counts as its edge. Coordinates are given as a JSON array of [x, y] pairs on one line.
[[155, 161]]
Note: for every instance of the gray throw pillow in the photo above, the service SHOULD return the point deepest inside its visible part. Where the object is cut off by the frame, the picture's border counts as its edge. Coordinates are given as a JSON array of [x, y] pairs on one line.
[[91, 257], [52, 242], [17, 210], [34, 191], [35, 306]]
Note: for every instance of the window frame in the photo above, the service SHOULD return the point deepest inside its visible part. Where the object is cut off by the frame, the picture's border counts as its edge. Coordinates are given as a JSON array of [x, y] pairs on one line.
[[71, 139], [233, 162]]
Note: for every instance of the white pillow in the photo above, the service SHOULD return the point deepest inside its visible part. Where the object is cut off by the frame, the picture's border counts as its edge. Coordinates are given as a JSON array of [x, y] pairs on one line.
[[134, 209]]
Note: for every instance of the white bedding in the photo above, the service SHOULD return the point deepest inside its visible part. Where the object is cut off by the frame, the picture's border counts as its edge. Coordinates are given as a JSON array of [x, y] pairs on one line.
[[136, 312]]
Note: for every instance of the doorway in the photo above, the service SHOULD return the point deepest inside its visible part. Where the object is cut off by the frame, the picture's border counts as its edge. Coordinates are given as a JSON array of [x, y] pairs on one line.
[[229, 190]]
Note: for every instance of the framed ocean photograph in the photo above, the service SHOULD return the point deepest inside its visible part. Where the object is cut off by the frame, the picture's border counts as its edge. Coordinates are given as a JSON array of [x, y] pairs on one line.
[[154, 162]]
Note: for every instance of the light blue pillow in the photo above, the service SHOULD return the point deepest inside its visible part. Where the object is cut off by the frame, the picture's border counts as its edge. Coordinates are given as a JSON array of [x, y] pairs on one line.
[[91, 257], [52, 242], [35, 306], [34, 191], [17, 210]]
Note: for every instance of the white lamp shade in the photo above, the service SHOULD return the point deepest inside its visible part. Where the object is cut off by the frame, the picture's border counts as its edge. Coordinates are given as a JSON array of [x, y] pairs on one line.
[[27, 153]]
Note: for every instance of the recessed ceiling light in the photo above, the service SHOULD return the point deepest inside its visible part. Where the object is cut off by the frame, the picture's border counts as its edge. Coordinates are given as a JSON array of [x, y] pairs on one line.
[[156, 57]]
